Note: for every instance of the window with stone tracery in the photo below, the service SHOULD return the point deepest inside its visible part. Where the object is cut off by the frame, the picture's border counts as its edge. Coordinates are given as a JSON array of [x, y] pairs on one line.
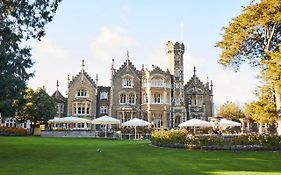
[[127, 82], [131, 98], [157, 98], [122, 98], [81, 93]]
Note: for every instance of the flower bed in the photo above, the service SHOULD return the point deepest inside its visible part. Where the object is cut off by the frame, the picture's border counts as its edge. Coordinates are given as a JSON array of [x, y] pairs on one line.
[[182, 139], [11, 131]]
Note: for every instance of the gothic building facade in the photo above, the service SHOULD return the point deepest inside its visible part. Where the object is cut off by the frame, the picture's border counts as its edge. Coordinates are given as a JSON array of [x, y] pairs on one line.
[[158, 96]]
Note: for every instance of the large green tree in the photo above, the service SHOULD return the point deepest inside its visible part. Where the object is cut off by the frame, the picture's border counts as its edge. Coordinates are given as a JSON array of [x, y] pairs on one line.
[[255, 37], [230, 110], [39, 107], [20, 20], [263, 110]]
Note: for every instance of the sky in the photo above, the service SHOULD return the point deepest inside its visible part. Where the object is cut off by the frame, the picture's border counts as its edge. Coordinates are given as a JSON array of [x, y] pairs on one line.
[[98, 31]]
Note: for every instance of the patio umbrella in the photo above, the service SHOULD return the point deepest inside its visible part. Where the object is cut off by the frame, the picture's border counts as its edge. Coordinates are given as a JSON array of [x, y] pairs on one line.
[[196, 123], [69, 120], [136, 122], [104, 120], [225, 122]]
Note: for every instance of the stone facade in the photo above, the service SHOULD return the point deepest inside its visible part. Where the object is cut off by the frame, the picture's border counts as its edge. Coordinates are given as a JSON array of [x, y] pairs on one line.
[[103, 101], [82, 96], [158, 96], [61, 102], [198, 98]]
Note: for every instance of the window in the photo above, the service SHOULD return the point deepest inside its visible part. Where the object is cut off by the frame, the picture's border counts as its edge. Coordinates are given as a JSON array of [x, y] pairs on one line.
[[60, 107], [81, 93], [103, 109], [127, 82], [10, 123], [157, 82], [81, 108], [103, 95], [145, 99], [131, 99], [157, 98], [122, 98]]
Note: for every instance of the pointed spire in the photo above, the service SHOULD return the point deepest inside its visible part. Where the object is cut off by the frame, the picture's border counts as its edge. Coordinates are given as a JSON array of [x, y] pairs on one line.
[[68, 79], [112, 64], [212, 86], [127, 59], [128, 56], [83, 65], [142, 67], [57, 85], [194, 70], [207, 79], [97, 79]]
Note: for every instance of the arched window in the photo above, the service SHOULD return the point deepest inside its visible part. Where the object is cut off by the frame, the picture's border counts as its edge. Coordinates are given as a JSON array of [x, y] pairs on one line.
[[103, 95], [10, 122], [131, 99], [122, 98], [145, 98], [127, 82], [157, 82], [81, 93], [157, 98]]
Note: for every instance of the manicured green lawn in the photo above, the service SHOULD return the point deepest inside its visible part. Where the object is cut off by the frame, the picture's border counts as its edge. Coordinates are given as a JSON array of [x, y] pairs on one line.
[[65, 156]]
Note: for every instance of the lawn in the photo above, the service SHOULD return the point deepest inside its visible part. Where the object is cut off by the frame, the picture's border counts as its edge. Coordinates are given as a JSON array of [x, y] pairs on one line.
[[66, 156]]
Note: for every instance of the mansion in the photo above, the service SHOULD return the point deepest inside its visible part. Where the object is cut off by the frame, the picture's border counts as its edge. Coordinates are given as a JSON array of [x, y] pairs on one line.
[[158, 96]]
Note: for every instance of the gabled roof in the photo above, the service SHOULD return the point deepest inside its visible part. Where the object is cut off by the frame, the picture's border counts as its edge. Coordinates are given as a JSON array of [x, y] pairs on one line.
[[158, 70], [194, 84], [129, 66], [81, 73], [58, 97]]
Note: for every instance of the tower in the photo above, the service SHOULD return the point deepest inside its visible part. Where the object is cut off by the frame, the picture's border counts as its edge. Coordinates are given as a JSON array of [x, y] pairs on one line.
[[175, 66]]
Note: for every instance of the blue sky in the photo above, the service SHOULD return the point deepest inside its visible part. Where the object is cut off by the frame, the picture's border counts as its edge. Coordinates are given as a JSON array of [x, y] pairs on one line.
[[98, 31]]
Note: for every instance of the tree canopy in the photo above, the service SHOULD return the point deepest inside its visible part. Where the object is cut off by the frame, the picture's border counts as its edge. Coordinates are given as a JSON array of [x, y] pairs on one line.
[[255, 37], [39, 107], [20, 20], [230, 110], [263, 110]]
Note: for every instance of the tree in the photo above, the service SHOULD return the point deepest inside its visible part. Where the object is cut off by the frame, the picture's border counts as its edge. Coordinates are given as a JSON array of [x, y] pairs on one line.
[[263, 110], [20, 20], [39, 107], [230, 110], [255, 37]]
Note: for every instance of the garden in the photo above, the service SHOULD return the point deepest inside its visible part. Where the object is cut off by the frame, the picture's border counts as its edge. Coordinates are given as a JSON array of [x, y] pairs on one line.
[[182, 138]]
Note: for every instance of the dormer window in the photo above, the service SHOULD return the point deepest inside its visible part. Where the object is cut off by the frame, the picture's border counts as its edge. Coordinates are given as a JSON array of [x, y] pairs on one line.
[[127, 82], [81, 93]]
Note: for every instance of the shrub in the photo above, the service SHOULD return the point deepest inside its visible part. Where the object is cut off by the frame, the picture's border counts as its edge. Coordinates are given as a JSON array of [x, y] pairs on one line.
[[11, 131]]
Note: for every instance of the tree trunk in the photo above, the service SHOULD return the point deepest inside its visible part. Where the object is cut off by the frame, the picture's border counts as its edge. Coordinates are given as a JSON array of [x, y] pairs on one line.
[[278, 108]]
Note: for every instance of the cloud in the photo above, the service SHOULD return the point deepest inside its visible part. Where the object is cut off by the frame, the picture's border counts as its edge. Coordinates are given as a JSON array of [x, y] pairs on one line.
[[50, 61], [111, 42]]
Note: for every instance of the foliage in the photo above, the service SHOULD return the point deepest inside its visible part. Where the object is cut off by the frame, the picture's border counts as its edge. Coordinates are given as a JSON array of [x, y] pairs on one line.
[[263, 110], [171, 136], [182, 137], [39, 106], [255, 36], [20, 20], [252, 35], [230, 110], [11, 131]]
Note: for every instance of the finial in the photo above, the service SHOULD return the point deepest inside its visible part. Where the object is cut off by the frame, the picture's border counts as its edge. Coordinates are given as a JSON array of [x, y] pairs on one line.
[[194, 70], [212, 83], [112, 64], [142, 66], [83, 65], [207, 79], [128, 57], [68, 79], [97, 79], [57, 85]]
